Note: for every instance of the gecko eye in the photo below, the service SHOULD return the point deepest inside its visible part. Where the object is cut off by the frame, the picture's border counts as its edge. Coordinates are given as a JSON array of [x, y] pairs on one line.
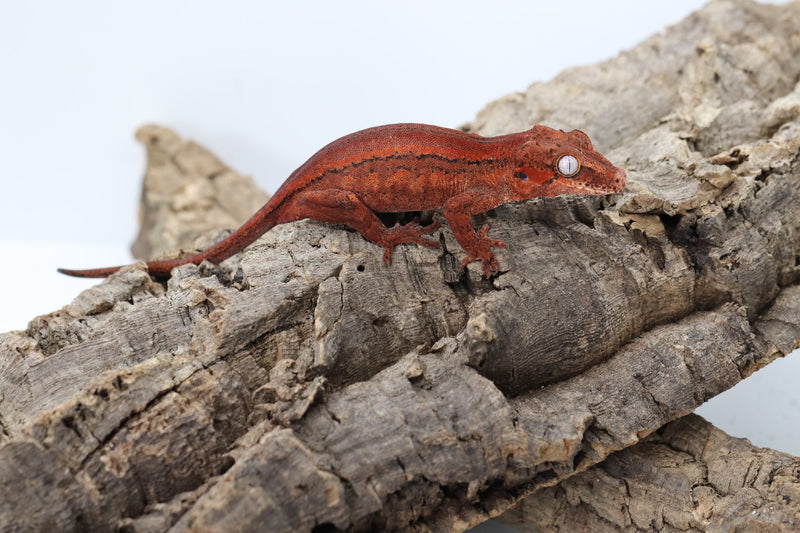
[[521, 175], [568, 165]]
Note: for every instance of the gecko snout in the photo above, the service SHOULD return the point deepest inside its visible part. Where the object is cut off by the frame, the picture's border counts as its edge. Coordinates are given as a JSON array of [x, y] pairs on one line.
[[619, 180]]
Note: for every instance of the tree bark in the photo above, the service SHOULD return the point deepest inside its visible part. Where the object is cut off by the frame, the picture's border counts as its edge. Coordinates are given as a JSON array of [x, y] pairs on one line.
[[303, 385], [688, 476]]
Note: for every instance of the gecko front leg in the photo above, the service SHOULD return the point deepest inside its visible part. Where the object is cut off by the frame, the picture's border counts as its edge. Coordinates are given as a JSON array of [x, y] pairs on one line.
[[345, 207], [458, 211]]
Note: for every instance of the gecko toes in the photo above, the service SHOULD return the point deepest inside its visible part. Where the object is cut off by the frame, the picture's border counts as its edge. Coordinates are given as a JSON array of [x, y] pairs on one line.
[[494, 243], [488, 262]]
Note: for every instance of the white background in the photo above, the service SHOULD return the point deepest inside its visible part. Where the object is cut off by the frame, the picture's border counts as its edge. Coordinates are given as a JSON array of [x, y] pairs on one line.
[[264, 85]]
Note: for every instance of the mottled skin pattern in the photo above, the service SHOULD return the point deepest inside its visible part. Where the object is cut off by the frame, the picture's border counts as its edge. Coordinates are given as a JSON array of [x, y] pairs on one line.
[[413, 167]]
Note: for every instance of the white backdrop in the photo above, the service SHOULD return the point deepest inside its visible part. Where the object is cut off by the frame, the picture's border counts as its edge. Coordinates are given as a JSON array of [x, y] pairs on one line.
[[265, 85]]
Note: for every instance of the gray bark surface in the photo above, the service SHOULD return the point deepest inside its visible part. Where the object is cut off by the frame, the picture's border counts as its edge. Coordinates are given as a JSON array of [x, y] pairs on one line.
[[187, 196], [304, 386], [688, 476]]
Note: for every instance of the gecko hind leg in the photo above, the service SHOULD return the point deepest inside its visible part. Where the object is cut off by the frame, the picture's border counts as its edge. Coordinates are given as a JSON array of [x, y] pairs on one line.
[[345, 207]]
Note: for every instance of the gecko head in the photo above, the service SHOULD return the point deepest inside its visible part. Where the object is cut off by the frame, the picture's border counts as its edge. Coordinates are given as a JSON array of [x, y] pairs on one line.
[[552, 162]]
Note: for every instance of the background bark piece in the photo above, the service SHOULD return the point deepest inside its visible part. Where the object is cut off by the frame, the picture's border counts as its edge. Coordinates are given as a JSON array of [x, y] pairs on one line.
[[188, 195], [688, 476], [305, 385]]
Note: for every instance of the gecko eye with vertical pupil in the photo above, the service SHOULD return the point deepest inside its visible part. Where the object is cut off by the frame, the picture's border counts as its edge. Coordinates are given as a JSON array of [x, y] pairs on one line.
[[521, 175], [568, 165]]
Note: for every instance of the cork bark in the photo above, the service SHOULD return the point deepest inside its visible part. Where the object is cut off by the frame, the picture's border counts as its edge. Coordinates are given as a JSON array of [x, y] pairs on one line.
[[303, 385], [687, 476]]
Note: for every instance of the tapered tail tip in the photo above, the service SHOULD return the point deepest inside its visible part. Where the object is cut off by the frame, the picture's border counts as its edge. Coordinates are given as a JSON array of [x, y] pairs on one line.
[[92, 273]]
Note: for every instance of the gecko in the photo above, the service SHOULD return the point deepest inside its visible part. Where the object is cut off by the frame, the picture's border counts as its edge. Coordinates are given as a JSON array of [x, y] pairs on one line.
[[415, 167]]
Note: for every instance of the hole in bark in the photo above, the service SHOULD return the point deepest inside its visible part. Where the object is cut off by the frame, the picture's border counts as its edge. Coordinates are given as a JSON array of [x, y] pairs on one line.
[[670, 221], [118, 383], [543, 477], [576, 461], [679, 231], [69, 421], [327, 527], [103, 393], [225, 465], [585, 217]]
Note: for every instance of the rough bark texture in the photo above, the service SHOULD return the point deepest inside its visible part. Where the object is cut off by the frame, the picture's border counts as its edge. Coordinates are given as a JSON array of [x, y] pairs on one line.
[[687, 477], [188, 195], [303, 385]]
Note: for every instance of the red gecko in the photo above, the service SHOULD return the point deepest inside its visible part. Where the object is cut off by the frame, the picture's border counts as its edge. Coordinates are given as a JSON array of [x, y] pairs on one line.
[[414, 167]]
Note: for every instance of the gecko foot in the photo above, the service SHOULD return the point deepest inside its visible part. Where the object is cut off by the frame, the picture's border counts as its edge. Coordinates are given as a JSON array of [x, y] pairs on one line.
[[489, 263], [486, 241], [409, 233], [482, 252]]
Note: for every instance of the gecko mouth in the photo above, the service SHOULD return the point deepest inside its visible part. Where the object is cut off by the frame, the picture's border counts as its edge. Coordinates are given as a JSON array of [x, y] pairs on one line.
[[617, 183], [580, 188]]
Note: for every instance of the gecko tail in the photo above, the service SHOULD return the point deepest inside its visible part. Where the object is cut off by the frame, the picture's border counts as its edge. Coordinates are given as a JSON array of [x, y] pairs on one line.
[[157, 269], [248, 232], [90, 273]]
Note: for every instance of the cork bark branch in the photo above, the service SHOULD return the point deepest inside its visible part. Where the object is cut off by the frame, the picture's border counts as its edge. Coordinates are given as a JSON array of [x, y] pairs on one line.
[[687, 476], [303, 385]]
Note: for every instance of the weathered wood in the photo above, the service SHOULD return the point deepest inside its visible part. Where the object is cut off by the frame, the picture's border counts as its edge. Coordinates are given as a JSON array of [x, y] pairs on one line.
[[303, 384], [188, 195], [688, 476]]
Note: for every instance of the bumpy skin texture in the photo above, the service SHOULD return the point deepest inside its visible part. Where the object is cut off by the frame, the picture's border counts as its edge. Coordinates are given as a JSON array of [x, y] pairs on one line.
[[413, 167]]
